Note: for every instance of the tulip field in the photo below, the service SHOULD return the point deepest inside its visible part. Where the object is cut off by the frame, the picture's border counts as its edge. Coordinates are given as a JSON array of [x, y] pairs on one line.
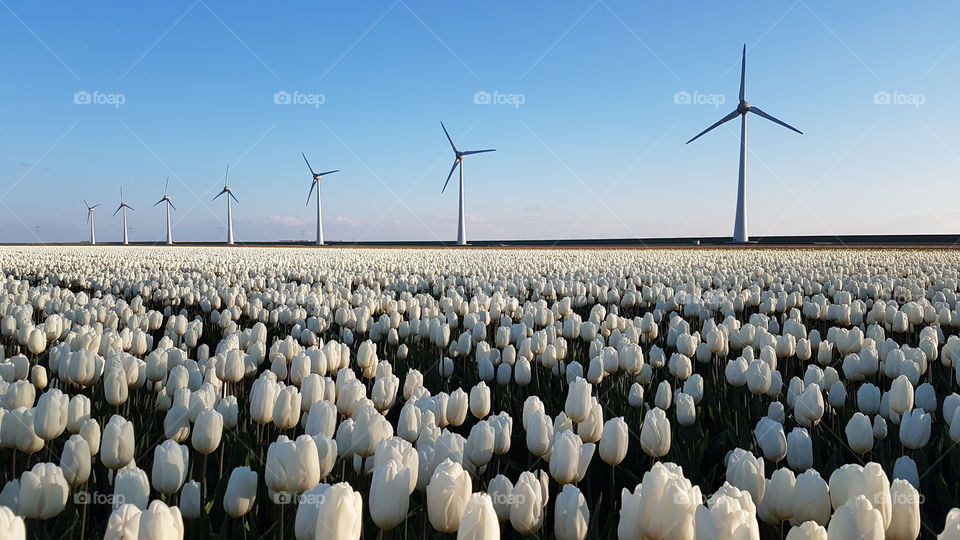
[[198, 392]]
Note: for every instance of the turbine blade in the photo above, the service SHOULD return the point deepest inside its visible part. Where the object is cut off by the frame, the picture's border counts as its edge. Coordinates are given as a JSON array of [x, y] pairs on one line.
[[165, 186], [86, 204], [117, 210], [743, 74], [94, 206], [311, 191], [759, 112], [234, 197], [222, 191], [448, 137], [455, 163], [469, 152], [226, 176], [308, 164], [158, 202], [171, 204], [130, 207], [328, 172], [726, 118]]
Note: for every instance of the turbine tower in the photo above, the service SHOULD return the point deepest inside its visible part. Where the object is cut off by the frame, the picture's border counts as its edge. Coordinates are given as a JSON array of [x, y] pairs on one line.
[[744, 107], [92, 222], [123, 206], [316, 183], [229, 191], [458, 161], [169, 205]]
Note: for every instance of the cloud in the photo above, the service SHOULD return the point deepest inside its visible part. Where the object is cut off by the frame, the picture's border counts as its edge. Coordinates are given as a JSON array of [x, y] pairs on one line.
[[276, 221]]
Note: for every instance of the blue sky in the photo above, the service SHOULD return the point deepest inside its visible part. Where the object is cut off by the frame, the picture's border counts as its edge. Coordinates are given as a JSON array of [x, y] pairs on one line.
[[589, 132]]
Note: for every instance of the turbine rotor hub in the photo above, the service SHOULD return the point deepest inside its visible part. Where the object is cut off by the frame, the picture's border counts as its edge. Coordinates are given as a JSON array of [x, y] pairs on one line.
[[743, 107]]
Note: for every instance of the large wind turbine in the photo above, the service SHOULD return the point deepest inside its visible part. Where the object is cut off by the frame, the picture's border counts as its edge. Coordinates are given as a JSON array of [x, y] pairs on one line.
[[229, 191], [458, 160], [744, 107], [123, 206], [92, 222], [169, 205], [316, 183]]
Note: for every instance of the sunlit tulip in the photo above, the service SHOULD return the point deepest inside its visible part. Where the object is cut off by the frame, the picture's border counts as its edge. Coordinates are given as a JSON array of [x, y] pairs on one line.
[[655, 433], [577, 404], [746, 472], [539, 433], [870, 480], [241, 492], [292, 466], [859, 433], [43, 492], [389, 498], [905, 512], [50, 415], [480, 400], [161, 521], [613, 441], [571, 514], [11, 525], [124, 523], [117, 443], [808, 530], [729, 514], [131, 486], [75, 462], [778, 494], [526, 505], [662, 505], [207, 432], [170, 462], [856, 519], [811, 499], [447, 494], [501, 493], [479, 520], [900, 395]]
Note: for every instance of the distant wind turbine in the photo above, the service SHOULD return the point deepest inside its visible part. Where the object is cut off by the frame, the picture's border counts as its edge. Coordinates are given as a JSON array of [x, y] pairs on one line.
[[316, 183], [123, 206], [229, 191], [169, 205], [458, 161], [92, 222], [744, 107]]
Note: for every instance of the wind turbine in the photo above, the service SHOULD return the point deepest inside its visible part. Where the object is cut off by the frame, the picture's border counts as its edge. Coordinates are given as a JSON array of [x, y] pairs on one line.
[[316, 183], [229, 191], [458, 160], [169, 205], [92, 222], [744, 107], [123, 206]]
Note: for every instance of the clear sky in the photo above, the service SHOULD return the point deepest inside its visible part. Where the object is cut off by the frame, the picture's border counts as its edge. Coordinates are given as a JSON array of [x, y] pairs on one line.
[[587, 112]]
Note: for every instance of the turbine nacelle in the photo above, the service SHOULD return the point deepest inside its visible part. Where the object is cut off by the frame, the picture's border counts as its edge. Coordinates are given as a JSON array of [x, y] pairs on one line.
[[743, 107]]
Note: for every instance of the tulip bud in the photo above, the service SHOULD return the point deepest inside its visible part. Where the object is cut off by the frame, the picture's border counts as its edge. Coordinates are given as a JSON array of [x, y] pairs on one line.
[[655, 433], [613, 441], [117, 445], [571, 514], [43, 492], [447, 494], [207, 432], [170, 462], [241, 492]]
